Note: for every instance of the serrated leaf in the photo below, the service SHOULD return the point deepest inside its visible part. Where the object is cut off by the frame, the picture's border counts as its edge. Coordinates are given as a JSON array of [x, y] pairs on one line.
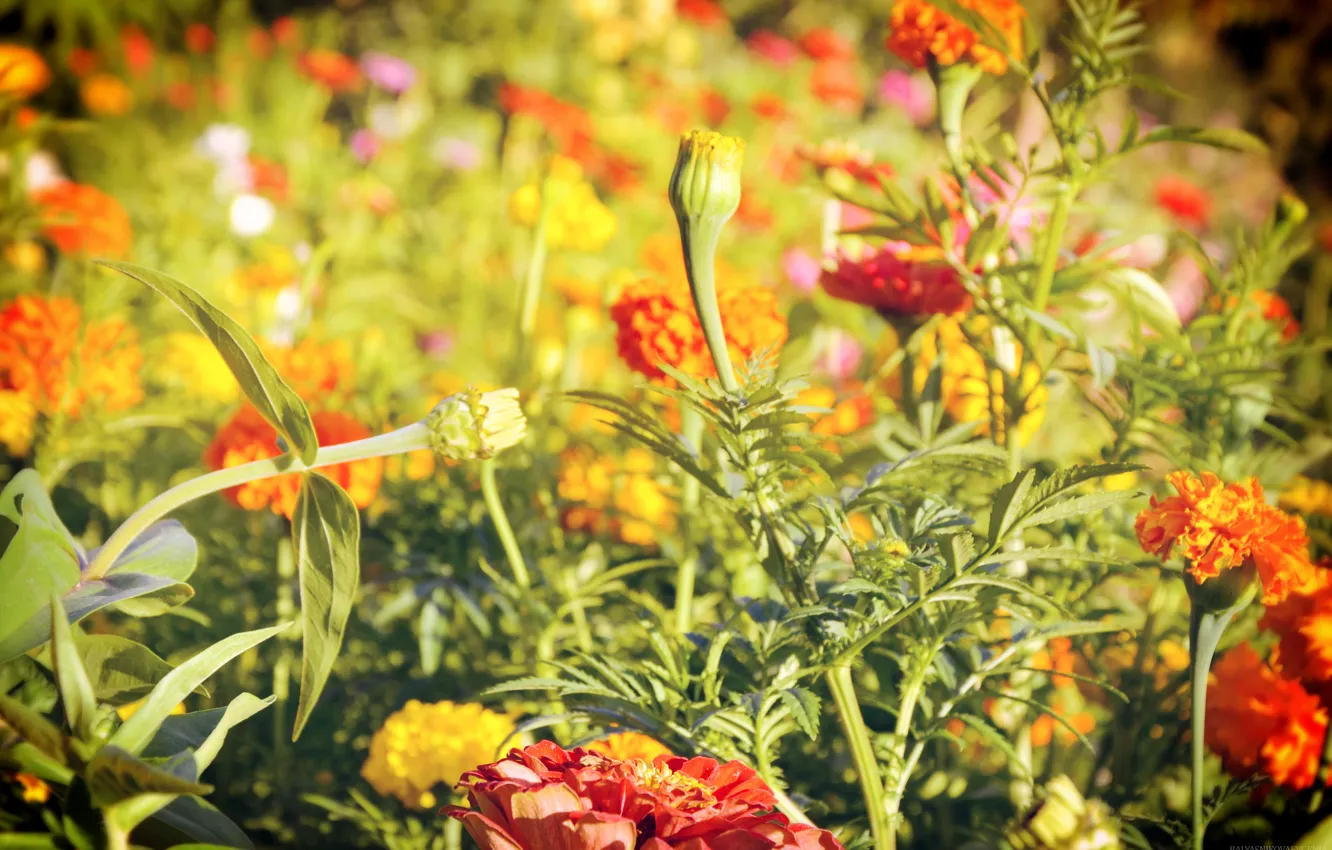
[[1089, 503], [327, 528], [1009, 502], [804, 706], [275, 401], [135, 733]]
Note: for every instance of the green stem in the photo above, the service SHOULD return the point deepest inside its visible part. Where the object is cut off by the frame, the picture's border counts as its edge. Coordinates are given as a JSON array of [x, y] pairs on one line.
[[1205, 630], [286, 609], [490, 491], [1053, 240], [411, 438], [691, 427], [700, 248], [536, 269], [882, 826]]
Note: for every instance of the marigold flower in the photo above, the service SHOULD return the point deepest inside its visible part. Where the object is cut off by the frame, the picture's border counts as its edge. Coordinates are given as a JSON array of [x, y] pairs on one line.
[[247, 436], [629, 746], [199, 38], [312, 368], [543, 796], [268, 178], [1259, 721], [424, 745], [35, 790], [1220, 526], [194, 364], [898, 279], [846, 156], [577, 219], [137, 48], [920, 31], [23, 72], [845, 416], [657, 325], [838, 84], [1303, 621], [18, 420], [105, 94], [1307, 496], [617, 495], [331, 69], [44, 357], [1188, 204], [82, 219]]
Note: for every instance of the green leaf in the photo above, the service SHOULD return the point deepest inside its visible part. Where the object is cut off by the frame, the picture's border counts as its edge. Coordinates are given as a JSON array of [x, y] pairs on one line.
[[120, 669], [1009, 503], [115, 775], [40, 559], [26, 841], [239, 710], [1089, 503], [1103, 364], [165, 549], [136, 732], [262, 385], [76, 692], [28, 682], [192, 819], [327, 529], [1216, 137], [154, 594], [42, 734], [804, 707]]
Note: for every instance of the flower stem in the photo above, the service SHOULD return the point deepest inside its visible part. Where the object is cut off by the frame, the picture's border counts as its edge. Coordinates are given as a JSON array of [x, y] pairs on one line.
[[1054, 238], [408, 439], [286, 610], [536, 269], [490, 491], [1205, 630], [700, 248], [882, 826], [691, 427]]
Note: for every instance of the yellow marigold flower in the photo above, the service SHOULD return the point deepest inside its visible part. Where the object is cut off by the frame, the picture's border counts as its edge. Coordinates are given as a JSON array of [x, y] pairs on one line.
[[34, 789], [193, 363], [1307, 496], [618, 495], [424, 745], [629, 746], [579, 291], [26, 256], [921, 31], [23, 72], [103, 94], [1220, 526], [18, 418], [577, 219], [125, 712]]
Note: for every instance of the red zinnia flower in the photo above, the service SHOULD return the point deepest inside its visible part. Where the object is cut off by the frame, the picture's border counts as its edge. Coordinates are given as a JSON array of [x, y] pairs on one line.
[[1190, 205], [773, 47], [332, 69], [543, 797], [838, 83], [707, 13], [898, 279], [825, 43]]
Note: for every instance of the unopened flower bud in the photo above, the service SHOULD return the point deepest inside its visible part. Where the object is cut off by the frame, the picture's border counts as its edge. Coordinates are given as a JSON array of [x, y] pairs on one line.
[[1065, 821], [706, 180], [473, 425]]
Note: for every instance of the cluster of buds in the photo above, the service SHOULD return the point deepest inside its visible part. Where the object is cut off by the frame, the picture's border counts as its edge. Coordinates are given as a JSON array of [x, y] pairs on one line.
[[473, 425]]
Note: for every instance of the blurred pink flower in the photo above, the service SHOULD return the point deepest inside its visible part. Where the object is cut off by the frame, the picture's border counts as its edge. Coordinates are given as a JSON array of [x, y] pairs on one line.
[[854, 218], [913, 93], [457, 154], [388, 72], [437, 344], [773, 47], [841, 355], [801, 269], [1186, 285], [364, 145]]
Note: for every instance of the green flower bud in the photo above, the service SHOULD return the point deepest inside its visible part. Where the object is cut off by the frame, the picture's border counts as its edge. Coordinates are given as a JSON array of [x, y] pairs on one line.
[[1065, 821], [473, 425], [706, 181]]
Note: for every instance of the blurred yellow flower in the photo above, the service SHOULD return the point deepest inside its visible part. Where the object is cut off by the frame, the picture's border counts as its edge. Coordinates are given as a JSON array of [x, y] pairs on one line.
[[577, 219], [193, 363], [23, 72], [26, 256], [1122, 481], [614, 494], [18, 416], [125, 712], [103, 94], [629, 746], [1307, 496], [423, 745], [34, 789]]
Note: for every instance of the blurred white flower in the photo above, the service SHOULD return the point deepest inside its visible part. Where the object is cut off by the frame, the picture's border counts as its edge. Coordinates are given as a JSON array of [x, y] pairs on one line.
[[42, 170], [224, 143], [251, 215], [233, 178], [395, 120]]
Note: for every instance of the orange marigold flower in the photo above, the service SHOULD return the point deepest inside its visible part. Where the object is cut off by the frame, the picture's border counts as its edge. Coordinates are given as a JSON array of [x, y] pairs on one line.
[[1188, 204], [629, 746], [199, 38], [845, 416], [920, 31], [43, 357], [823, 43], [838, 83], [657, 325], [1221, 526], [312, 368], [106, 94], [335, 71], [34, 789], [898, 280], [23, 72], [1277, 311], [137, 49], [616, 495], [1304, 623], [247, 436], [1259, 721], [847, 156], [82, 219]]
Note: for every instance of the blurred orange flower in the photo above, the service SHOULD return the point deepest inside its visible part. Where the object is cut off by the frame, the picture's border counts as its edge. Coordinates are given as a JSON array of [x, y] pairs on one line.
[[82, 219], [1221, 526], [81, 61], [248, 437], [835, 153], [1258, 721], [23, 72], [838, 83], [848, 415], [105, 94], [823, 43], [312, 368], [629, 746], [269, 179], [614, 494], [335, 71], [40, 346], [1188, 204], [1277, 311], [137, 49], [1303, 621], [199, 38], [921, 30]]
